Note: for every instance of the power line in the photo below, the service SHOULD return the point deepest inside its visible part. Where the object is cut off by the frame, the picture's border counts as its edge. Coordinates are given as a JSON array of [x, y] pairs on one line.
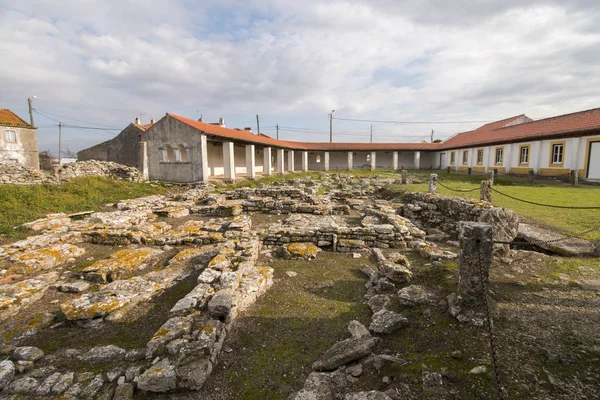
[[80, 120], [411, 122]]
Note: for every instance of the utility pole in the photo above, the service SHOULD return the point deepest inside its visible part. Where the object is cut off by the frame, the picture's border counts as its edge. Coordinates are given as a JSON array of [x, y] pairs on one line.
[[59, 143], [331, 126], [257, 125], [371, 133], [277, 126], [29, 101], [141, 113], [432, 136]]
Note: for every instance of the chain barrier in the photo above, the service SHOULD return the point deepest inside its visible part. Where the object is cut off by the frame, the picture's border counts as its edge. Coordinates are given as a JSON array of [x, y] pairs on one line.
[[550, 241], [546, 205], [484, 289], [457, 190]]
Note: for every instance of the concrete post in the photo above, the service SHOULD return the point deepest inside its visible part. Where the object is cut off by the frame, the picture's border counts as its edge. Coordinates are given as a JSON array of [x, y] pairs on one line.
[[204, 168], [229, 161], [143, 157], [486, 191], [395, 161], [404, 176], [291, 160], [350, 160], [305, 161], [267, 167], [474, 261], [250, 164], [417, 160], [280, 161], [373, 161], [432, 183], [326, 161]]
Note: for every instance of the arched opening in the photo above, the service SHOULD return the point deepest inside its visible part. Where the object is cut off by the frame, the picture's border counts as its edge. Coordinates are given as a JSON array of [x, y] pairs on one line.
[[170, 153], [368, 158], [183, 156]]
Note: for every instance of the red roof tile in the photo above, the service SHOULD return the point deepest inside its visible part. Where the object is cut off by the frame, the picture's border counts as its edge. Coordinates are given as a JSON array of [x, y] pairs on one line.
[[249, 137], [9, 118]]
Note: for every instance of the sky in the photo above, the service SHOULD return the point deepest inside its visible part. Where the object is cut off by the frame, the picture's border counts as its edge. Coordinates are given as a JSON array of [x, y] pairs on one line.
[[450, 65]]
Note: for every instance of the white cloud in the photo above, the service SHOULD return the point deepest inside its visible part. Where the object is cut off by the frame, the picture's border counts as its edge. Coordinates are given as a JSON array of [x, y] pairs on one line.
[[293, 62]]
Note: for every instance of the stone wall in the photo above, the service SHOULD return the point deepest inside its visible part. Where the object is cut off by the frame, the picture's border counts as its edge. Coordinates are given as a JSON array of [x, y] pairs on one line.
[[12, 173], [122, 149], [444, 213]]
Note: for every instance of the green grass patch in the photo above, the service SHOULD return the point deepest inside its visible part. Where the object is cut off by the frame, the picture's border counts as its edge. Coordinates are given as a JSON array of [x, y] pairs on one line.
[[20, 203]]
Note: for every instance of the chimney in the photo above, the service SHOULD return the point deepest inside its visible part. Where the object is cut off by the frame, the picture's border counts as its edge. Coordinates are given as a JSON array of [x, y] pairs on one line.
[[221, 121], [248, 129], [201, 118], [137, 120], [152, 121]]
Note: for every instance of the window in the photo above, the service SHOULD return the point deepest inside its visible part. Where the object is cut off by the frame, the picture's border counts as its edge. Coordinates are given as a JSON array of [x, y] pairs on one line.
[[499, 155], [465, 157], [480, 156], [10, 136], [318, 158], [557, 155], [524, 155], [368, 158], [169, 153], [453, 158], [183, 156]]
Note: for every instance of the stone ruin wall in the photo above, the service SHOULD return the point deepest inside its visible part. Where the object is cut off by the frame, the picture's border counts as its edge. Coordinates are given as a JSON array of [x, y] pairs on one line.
[[17, 174]]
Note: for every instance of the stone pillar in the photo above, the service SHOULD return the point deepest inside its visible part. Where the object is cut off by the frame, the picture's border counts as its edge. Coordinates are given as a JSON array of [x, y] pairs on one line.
[[291, 160], [229, 161], [404, 176], [395, 160], [469, 171], [474, 261], [350, 160], [326, 161], [143, 157], [486, 191], [305, 161], [280, 161], [432, 183], [267, 167], [491, 176], [574, 177], [250, 164], [530, 176], [373, 161], [204, 169], [418, 160]]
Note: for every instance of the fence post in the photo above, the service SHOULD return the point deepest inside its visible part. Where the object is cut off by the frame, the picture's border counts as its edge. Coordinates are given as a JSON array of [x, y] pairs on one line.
[[485, 191], [432, 183], [474, 261], [491, 176], [404, 176], [469, 171], [448, 169], [574, 177], [530, 176]]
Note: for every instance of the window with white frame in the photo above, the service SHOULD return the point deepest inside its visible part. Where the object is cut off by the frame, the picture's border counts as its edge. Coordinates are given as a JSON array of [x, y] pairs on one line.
[[524, 157], [499, 155], [10, 136], [480, 156], [558, 153], [318, 158], [453, 158], [465, 159]]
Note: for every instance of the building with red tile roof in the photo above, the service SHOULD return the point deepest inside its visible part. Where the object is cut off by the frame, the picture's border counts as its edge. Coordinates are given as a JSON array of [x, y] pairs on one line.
[[18, 140]]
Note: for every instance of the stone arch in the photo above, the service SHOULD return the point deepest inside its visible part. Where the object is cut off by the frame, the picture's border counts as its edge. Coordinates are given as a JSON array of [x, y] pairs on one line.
[[169, 153]]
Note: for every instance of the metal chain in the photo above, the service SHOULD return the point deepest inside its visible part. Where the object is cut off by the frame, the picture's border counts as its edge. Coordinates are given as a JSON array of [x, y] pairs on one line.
[[457, 190], [547, 205], [538, 242], [490, 325]]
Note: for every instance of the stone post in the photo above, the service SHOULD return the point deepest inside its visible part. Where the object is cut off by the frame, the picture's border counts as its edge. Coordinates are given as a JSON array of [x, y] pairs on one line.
[[373, 161], [448, 169], [491, 176], [469, 171], [267, 168], [395, 161], [204, 167], [474, 261], [404, 176], [350, 160], [574, 177], [486, 191], [280, 161], [326, 160], [250, 164], [432, 183], [291, 161], [305, 161], [229, 161], [530, 176]]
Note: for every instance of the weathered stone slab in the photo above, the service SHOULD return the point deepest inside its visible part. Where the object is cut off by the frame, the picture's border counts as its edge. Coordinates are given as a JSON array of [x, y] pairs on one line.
[[120, 263], [569, 248], [45, 258], [344, 352], [161, 378]]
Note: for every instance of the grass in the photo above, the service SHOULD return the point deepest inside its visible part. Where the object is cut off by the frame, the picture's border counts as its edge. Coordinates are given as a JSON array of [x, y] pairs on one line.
[[20, 203], [546, 192]]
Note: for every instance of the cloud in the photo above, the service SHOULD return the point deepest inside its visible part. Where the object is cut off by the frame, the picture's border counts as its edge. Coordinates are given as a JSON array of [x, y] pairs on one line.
[[292, 62]]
